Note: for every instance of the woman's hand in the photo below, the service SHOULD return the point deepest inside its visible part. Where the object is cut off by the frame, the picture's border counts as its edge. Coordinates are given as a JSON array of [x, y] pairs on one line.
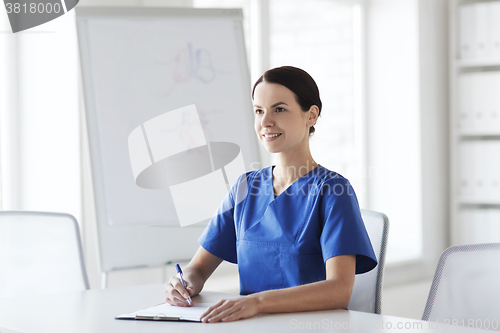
[[176, 294], [231, 310], [332, 293], [195, 274]]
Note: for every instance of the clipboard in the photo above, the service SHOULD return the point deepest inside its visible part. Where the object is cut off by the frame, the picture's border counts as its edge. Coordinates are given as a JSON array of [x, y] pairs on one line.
[[167, 312]]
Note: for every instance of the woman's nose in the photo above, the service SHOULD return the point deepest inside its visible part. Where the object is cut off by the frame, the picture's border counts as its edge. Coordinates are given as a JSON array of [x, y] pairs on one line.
[[267, 120]]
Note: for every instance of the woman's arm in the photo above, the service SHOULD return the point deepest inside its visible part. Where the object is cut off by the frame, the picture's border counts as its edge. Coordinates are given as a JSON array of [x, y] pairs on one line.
[[332, 293], [195, 274]]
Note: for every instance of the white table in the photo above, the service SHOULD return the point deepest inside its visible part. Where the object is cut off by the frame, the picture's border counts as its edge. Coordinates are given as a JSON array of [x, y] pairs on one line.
[[94, 311]]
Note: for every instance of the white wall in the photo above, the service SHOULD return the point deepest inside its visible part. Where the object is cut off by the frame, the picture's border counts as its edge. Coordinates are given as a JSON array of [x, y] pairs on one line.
[[434, 128]]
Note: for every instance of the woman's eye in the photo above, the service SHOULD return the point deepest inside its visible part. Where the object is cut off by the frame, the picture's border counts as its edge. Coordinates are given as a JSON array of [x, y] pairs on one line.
[[280, 109], [258, 111]]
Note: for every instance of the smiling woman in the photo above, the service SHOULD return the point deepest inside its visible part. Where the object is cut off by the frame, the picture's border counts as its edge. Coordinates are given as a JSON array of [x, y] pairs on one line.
[[294, 229], [287, 105], [280, 123], [299, 82]]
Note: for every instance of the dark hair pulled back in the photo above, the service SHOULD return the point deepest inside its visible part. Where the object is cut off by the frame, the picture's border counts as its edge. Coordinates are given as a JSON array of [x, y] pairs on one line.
[[299, 82]]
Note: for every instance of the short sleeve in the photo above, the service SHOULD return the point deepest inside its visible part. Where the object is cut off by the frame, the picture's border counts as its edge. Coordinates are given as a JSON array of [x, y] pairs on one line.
[[219, 237], [344, 231]]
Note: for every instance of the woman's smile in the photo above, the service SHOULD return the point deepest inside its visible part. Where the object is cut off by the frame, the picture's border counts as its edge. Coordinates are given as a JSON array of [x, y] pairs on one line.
[[271, 136]]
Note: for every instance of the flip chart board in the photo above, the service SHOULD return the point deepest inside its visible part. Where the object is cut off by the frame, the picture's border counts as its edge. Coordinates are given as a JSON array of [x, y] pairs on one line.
[[137, 64]]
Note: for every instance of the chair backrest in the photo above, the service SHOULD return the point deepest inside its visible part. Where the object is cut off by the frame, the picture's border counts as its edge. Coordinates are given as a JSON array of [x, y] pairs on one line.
[[367, 292], [40, 253], [466, 286]]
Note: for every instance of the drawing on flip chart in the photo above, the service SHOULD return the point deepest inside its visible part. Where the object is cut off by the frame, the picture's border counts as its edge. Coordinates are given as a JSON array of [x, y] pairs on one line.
[[188, 63]]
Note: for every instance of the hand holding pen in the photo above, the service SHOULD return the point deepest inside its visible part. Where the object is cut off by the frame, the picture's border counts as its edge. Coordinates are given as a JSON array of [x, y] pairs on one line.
[[181, 276], [176, 291]]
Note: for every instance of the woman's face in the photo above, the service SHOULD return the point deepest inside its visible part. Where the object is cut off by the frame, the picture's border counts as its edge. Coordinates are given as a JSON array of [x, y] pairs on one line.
[[280, 122]]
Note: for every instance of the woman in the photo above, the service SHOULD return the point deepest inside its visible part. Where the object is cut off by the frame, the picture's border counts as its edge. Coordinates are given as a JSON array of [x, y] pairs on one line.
[[294, 229]]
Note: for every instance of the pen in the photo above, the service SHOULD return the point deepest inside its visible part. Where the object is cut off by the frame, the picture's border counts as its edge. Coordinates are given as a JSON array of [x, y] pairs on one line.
[[179, 271]]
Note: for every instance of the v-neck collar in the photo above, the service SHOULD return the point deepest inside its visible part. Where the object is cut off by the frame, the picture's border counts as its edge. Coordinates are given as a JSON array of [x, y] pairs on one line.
[[270, 180]]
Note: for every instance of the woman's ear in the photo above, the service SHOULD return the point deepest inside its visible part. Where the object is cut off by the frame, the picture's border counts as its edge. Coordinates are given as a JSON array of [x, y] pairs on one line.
[[313, 115]]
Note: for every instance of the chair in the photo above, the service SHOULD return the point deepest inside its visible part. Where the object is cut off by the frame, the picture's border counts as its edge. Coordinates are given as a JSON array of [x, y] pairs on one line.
[[40, 253], [367, 291], [466, 287]]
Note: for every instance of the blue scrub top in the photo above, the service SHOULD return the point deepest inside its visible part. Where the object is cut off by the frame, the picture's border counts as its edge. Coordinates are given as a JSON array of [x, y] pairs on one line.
[[285, 241]]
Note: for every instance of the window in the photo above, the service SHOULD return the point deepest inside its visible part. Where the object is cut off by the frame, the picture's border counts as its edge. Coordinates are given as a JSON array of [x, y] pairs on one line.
[[3, 99], [40, 145]]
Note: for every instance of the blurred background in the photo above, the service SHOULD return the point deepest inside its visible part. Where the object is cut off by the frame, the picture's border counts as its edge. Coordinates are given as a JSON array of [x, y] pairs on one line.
[[400, 82]]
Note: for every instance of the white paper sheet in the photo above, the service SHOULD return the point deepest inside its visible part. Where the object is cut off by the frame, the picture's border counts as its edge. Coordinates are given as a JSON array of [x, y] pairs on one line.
[[166, 311]]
